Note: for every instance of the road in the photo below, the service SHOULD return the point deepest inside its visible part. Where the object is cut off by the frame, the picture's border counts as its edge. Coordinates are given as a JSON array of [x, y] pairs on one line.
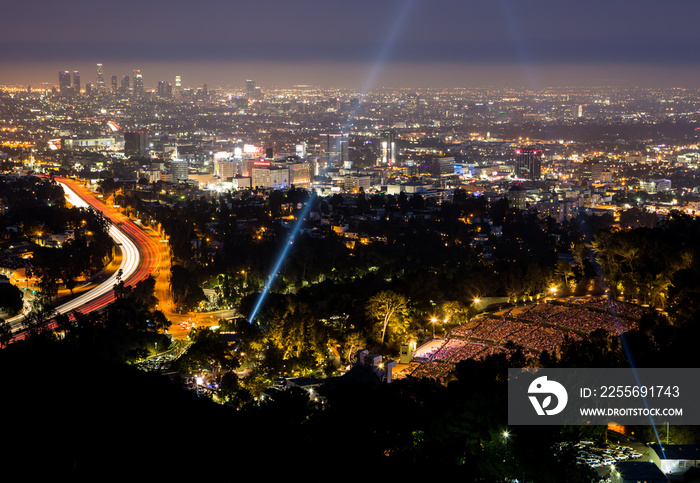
[[181, 322], [139, 253]]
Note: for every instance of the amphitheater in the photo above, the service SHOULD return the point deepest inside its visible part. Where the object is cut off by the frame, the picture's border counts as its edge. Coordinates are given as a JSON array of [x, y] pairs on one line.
[[534, 328]]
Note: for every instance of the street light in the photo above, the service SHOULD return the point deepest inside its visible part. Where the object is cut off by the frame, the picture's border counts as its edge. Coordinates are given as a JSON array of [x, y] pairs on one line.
[[433, 320]]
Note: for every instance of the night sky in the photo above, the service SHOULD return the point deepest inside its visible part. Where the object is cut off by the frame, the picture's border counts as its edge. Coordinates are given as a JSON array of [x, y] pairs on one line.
[[360, 44]]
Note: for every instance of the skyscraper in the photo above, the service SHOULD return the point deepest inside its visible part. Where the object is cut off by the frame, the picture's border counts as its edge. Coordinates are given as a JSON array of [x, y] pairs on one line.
[[125, 85], [165, 90], [136, 143], [115, 85], [178, 86], [334, 150], [64, 82], [100, 77], [178, 168], [250, 89], [138, 83], [388, 145], [528, 163], [76, 81]]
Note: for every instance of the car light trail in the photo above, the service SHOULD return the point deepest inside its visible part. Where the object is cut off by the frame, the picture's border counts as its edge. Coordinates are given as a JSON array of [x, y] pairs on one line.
[[131, 260], [139, 257]]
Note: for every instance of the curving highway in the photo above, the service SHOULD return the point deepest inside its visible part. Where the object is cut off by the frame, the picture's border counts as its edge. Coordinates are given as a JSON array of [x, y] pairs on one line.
[[139, 253], [131, 259]]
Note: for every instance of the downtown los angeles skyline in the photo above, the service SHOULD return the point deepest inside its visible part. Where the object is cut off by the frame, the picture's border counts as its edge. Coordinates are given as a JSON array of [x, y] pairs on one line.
[[361, 44]]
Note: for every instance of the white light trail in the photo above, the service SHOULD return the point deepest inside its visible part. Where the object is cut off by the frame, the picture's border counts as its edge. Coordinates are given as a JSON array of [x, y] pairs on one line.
[[131, 259]]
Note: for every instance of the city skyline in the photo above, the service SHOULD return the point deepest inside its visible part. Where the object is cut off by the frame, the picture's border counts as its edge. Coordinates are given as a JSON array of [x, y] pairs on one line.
[[352, 76], [362, 45]]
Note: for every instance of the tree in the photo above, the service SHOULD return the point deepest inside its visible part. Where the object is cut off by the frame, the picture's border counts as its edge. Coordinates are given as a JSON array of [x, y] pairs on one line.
[[119, 290], [228, 384], [390, 309], [295, 332], [230, 390], [5, 333], [353, 341], [158, 321], [184, 287], [563, 270], [39, 313], [207, 353], [143, 293], [456, 312], [10, 296]]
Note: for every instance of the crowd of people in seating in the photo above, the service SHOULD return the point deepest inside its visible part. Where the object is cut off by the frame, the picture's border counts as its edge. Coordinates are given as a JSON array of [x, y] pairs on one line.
[[535, 328]]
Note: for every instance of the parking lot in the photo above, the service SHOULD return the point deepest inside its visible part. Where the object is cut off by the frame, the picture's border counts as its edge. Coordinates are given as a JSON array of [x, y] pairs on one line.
[[601, 458]]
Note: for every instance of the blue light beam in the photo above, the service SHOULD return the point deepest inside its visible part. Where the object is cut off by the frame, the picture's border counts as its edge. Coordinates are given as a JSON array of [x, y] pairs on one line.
[[382, 56], [633, 366], [280, 259], [369, 82], [515, 29], [388, 44]]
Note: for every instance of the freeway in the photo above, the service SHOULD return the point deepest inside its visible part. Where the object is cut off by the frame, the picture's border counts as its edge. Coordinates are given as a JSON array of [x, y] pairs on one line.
[[139, 252], [140, 255]]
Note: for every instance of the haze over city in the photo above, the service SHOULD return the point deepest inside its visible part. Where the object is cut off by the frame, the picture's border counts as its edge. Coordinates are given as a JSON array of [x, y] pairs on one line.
[[361, 44]]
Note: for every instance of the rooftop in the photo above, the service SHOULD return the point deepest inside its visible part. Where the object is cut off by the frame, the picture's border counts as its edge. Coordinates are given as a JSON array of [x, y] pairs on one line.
[[677, 451]]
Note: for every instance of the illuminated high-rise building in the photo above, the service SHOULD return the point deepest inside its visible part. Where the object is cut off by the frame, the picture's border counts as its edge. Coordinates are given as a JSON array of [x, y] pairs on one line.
[[115, 84], [138, 83], [178, 86], [265, 175], [388, 148], [226, 169], [528, 163], [165, 89], [411, 105], [76, 81], [179, 169], [334, 150], [100, 77], [136, 143], [64, 82], [300, 174], [250, 89], [126, 87], [301, 150]]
